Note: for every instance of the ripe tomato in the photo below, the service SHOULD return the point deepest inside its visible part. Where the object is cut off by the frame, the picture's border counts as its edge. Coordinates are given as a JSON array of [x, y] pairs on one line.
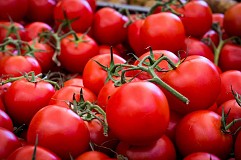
[[33, 29], [75, 53], [75, 9], [201, 131], [140, 104], [65, 133], [187, 78], [94, 76], [107, 22], [23, 99], [163, 148], [232, 20], [237, 146], [163, 31], [201, 156], [92, 155], [9, 143], [5, 121], [26, 152]]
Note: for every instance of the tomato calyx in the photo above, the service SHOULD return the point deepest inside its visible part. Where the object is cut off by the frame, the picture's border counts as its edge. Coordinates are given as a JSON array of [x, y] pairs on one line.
[[88, 111]]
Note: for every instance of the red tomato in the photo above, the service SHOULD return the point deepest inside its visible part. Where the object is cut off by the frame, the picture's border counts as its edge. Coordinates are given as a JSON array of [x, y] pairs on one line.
[[92, 4], [92, 155], [218, 18], [32, 30], [63, 96], [188, 79], [163, 31], [107, 23], [5, 121], [26, 152], [197, 18], [75, 9], [232, 20], [42, 11], [65, 133], [23, 99], [16, 9], [212, 37], [201, 156], [201, 131], [75, 53], [76, 81], [94, 76], [231, 78], [230, 57], [237, 146], [9, 143], [17, 65], [140, 104], [163, 148]]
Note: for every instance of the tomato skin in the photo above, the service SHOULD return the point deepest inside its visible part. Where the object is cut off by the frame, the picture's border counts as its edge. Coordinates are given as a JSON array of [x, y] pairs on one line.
[[93, 75], [23, 99], [237, 146], [230, 57], [231, 78], [5, 121], [163, 148], [75, 54], [197, 18], [33, 29], [92, 155], [16, 9], [66, 127], [164, 31], [76, 81], [201, 156], [26, 152], [9, 143], [75, 9], [107, 22], [188, 79], [232, 20], [200, 131], [140, 104]]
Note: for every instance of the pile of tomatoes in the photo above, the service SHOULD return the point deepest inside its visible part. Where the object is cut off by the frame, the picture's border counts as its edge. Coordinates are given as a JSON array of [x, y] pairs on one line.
[[83, 82]]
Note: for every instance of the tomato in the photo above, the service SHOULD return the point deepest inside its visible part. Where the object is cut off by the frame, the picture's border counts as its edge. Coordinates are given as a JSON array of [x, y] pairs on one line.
[[26, 152], [94, 76], [218, 18], [75, 53], [232, 20], [92, 155], [63, 96], [201, 155], [9, 143], [229, 79], [230, 57], [237, 146], [188, 79], [17, 65], [163, 31], [92, 4], [163, 148], [201, 131], [24, 98], [36, 8], [197, 18], [76, 81], [15, 9], [2, 105], [5, 121], [75, 9], [107, 22], [33, 29], [65, 133], [211, 36], [140, 104]]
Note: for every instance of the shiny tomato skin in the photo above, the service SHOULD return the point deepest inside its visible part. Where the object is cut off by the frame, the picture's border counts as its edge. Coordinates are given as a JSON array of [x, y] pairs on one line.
[[5, 121], [140, 104], [164, 31], [75, 54], [93, 75], [230, 57], [200, 131], [75, 9], [201, 156], [26, 152], [232, 20], [92, 155], [65, 133], [187, 79], [9, 143], [163, 148], [23, 99]]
